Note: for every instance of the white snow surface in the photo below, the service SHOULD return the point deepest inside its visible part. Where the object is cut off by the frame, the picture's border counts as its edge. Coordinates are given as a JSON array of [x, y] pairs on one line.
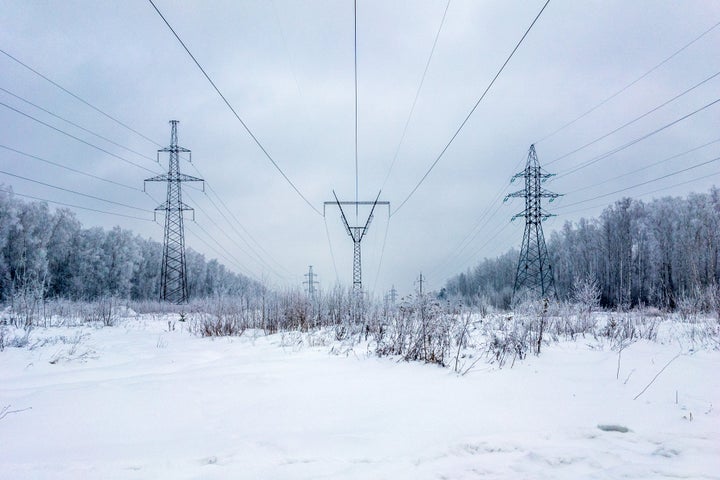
[[137, 401]]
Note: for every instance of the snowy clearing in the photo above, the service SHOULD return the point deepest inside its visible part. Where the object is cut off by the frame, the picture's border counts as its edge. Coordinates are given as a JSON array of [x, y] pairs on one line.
[[136, 401]]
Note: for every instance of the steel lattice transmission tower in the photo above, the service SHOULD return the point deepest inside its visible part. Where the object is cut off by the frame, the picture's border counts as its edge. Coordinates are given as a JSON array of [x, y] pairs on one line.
[[534, 274], [173, 276], [357, 233], [311, 282]]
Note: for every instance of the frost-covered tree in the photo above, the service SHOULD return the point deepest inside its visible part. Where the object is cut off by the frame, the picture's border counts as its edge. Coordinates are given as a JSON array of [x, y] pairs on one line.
[[48, 254], [639, 253]]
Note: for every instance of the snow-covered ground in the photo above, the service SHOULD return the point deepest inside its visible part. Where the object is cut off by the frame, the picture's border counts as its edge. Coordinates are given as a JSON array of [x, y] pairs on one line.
[[136, 401]]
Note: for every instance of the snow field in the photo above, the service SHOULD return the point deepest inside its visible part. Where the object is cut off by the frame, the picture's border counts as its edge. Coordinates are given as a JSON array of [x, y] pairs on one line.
[[136, 401]]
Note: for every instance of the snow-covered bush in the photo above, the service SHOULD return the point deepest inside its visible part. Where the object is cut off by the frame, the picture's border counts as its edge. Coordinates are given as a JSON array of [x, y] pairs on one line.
[[624, 328], [14, 337], [419, 329], [507, 338]]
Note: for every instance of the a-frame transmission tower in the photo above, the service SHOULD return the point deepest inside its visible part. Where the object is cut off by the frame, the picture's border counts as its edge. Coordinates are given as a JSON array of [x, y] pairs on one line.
[[534, 275], [357, 233], [173, 275]]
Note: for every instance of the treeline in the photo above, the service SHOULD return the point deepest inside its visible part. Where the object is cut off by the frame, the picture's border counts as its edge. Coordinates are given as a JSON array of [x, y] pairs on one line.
[[47, 254], [655, 253]]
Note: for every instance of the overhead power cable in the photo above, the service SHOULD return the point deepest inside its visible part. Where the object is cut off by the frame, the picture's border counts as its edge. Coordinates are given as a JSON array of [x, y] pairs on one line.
[[472, 110], [654, 164], [76, 125], [673, 55], [382, 254], [77, 97], [686, 182], [258, 260], [232, 215], [72, 191], [232, 109], [357, 176], [633, 142], [692, 167], [635, 119], [80, 172], [32, 197], [78, 138], [105, 114], [475, 230], [482, 222], [226, 255], [242, 227], [417, 95], [332, 254]]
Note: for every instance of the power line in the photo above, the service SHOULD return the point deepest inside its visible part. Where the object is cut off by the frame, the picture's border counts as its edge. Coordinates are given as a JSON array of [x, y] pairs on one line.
[[254, 252], [696, 179], [77, 138], [417, 95], [242, 227], [643, 183], [357, 177], [237, 116], [332, 254], [441, 270], [456, 253], [382, 254], [673, 55], [72, 191], [654, 164], [74, 206], [259, 260], [633, 142], [80, 172], [474, 231], [636, 118], [432, 166], [227, 255], [239, 224], [485, 217], [490, 239], [76, 125], [78, 98], [84, 129], [93, 133]]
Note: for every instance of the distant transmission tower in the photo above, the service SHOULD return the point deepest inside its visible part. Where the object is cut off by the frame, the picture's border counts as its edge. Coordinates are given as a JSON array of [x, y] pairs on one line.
[[311, 282], [173, 276], [534, 273], [356, 233]]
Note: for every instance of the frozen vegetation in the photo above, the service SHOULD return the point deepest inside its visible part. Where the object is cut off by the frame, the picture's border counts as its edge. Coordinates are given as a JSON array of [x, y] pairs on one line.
[[616, 379], [219, 391]]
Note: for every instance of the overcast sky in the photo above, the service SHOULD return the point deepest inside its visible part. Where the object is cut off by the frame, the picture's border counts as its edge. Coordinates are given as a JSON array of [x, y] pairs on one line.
[[287, 69]]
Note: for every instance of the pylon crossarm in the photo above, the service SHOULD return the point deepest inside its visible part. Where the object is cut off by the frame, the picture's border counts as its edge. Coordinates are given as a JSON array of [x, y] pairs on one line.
[[519, 193], [181, 177], [344, 218], [174, 149], [370, 217], [163, 177], [546, 194]]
